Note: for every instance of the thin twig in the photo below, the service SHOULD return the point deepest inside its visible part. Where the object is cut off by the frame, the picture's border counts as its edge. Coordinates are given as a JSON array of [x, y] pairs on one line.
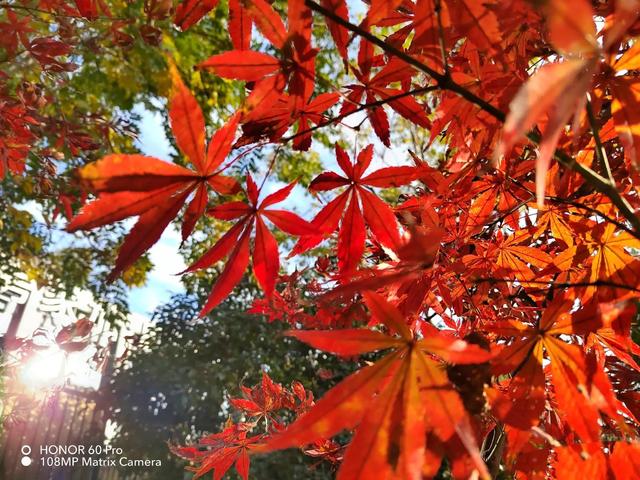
[[55, 14], [600, 150], [597, 283], [270, 167], [361, 108], [581, 206], [595, 211]]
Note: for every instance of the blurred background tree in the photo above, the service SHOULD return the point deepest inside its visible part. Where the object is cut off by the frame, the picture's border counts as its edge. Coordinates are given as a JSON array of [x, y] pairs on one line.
[[174, 385], [90, 102]]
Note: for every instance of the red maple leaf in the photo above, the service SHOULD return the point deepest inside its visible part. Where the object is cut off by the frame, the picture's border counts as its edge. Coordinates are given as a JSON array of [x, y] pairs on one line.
[[236, 242], [355, 206], [155, 190]]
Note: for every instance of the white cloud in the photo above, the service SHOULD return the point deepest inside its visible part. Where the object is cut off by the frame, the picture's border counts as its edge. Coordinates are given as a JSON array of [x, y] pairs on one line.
[[162, 280], [152, 139]]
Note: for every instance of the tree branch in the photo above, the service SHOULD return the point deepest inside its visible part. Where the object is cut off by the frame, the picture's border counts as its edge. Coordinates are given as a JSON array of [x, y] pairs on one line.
[[597, 283], [581, 206], [445, 82]]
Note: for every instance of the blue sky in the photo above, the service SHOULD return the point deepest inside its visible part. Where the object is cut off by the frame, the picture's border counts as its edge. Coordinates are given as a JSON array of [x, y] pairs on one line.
[[162, 280]]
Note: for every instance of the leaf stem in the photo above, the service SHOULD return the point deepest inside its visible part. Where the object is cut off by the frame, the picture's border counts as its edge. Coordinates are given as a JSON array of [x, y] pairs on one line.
[[443, 50], [597, 283], [600, 150]]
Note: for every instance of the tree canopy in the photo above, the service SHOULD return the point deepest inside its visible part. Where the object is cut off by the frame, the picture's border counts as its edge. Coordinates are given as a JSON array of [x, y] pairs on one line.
[[175, 381]]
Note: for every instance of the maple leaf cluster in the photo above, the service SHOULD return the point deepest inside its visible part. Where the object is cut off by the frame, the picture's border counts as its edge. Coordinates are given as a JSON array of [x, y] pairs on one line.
[[496, 295], [263, 409], [25, 105], [21, 106]]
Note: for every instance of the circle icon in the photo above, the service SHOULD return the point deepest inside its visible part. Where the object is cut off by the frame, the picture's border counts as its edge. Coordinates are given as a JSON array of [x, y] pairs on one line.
[[26, 451]]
